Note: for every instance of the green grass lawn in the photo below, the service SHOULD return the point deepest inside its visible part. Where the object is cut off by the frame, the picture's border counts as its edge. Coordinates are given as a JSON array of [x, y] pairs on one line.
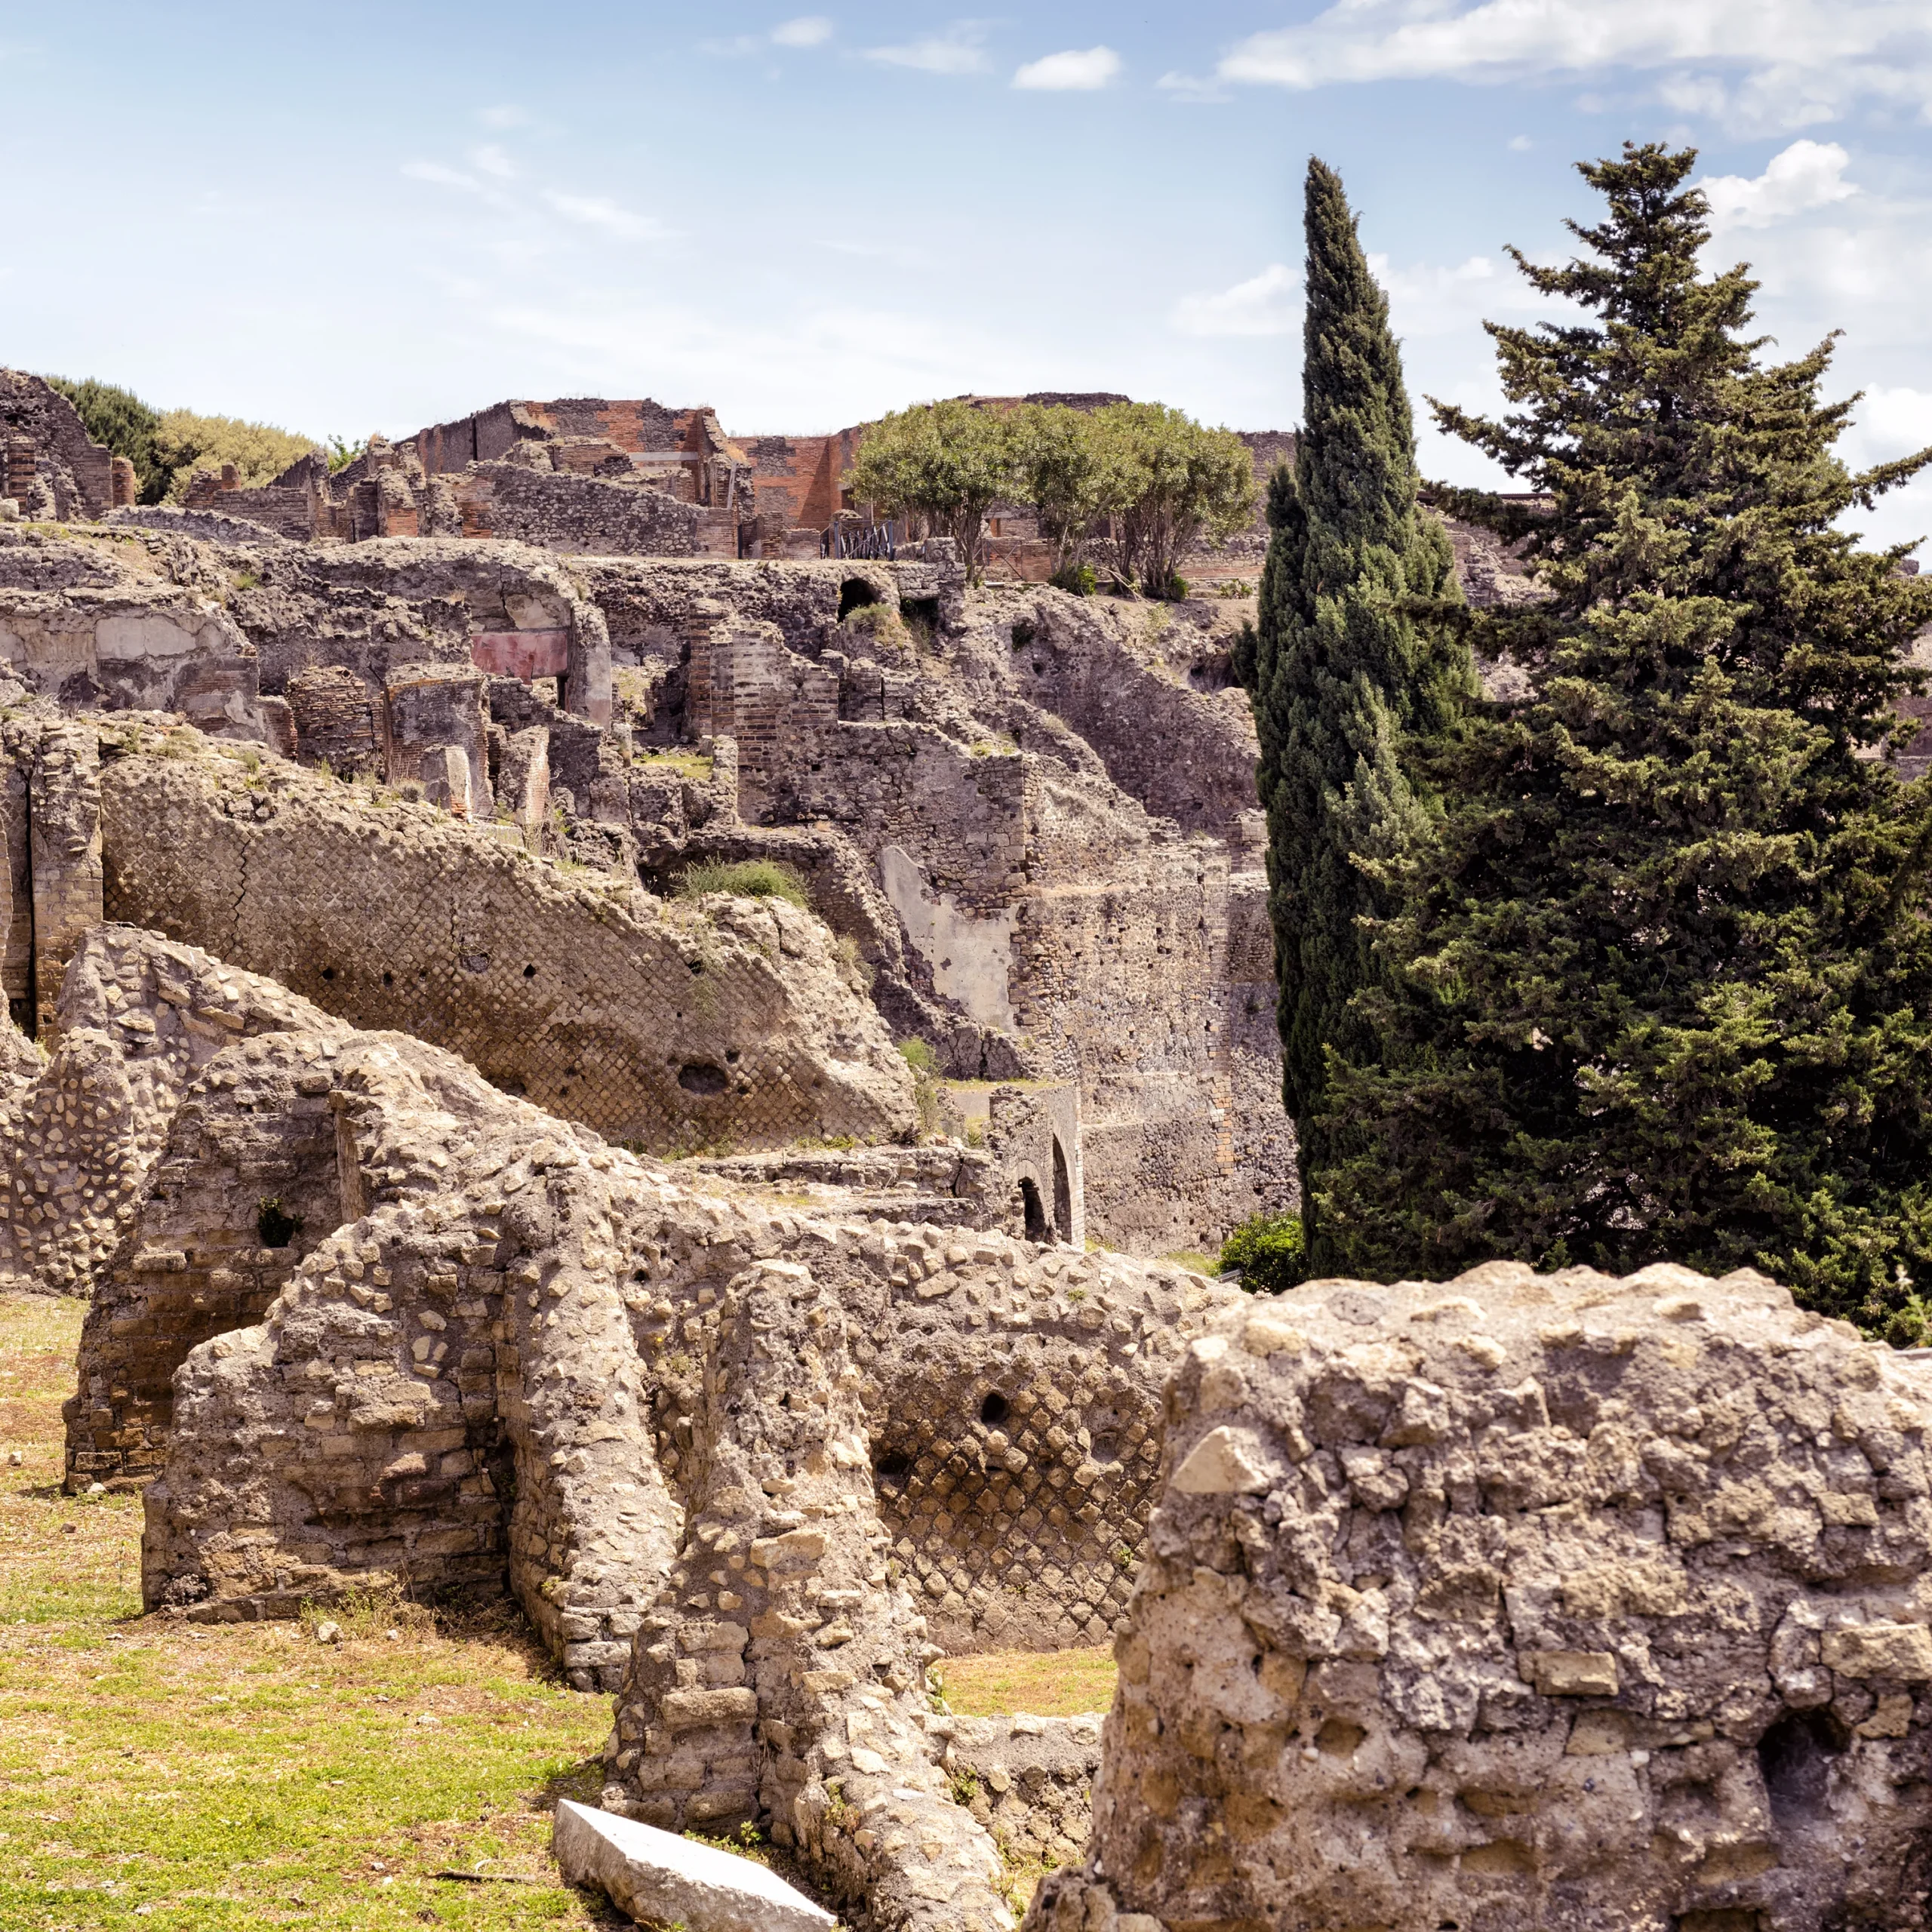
[[156, 1774]]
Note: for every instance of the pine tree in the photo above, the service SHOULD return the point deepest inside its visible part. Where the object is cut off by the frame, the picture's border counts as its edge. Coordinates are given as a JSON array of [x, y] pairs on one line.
[[1661, 987], [1350, 662]]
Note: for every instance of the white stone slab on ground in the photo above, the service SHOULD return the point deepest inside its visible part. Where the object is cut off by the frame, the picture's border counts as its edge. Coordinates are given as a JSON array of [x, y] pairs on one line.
[[654, 1874]]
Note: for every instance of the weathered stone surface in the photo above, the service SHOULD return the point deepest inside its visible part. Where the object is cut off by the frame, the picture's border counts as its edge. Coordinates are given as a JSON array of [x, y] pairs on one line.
[[1028, 1779], [660, 1878], [1568, 1602], [670, 1024]]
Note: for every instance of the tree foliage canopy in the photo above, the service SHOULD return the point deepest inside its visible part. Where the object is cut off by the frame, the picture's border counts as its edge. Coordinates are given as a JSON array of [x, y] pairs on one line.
[[1348, 671], [1660, 985], [1145, 482]]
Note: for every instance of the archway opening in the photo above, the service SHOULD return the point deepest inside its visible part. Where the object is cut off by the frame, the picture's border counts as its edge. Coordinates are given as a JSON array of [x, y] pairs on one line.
[[1063, 1193], [1035, 1215], [853, 594]]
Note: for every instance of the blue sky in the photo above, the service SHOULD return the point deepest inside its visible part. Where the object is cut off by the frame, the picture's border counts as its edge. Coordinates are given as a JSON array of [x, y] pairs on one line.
[[376, 217]]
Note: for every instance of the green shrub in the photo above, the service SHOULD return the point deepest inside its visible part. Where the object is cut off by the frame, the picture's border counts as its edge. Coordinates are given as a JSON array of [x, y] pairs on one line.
[[879, 624], [1077, 578], [918, 1054], [1267, 1249], [747, 879]]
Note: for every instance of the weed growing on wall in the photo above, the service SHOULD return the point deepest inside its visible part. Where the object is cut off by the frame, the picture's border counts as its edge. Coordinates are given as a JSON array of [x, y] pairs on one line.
[[744, 878]]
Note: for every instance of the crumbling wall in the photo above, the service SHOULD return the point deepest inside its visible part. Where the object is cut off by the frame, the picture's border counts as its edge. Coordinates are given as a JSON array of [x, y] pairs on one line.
[[138, 1019], [583, 516], [92, 628], [1522, 1601], [670, 1025], [43, 438]]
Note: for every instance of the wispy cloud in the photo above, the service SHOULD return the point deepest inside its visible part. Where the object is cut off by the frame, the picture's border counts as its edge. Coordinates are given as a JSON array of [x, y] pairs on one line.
[[491, 159], [444, 177], [959, 49], [807, 30], [1265, 304], [505, 114], [1074, 72], [1191, 88], [600, 211], [1807, 175], [1756, 64]]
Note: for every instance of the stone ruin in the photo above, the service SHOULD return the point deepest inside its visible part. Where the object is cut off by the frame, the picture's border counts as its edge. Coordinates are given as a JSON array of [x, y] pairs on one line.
[[461, 1200], [364, 1316], [1522, 1601]]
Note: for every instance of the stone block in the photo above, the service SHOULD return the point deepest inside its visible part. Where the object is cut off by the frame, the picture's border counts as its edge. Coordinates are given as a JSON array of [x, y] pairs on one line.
[[659, 1879]]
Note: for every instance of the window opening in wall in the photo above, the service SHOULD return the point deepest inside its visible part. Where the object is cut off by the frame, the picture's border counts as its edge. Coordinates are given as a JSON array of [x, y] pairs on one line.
[[995, 1409], [853, 594], [895, 1466], [1063, 1195], [1036, 1215]]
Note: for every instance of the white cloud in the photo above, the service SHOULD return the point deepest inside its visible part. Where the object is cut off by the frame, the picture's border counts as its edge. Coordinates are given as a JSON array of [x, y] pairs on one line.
[[1807, 175], [807, 30], [1191, 87], [1520, 144], [599, 211], [1071, 73], [1265, 304], [957, 51], [1790, 61], [506, 115], [491, 159], [444, 177]]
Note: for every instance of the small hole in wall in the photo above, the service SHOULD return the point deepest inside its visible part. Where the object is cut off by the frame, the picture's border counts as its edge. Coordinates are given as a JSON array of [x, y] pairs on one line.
[[995, 1409], [698, 1077], [1795, 1755], [328, 972], [388, 979], [530, 972], [895, 1466]]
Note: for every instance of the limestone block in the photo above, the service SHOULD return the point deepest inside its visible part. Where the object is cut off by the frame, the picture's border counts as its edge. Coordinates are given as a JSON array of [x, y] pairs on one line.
[[661, 1878], [1511, 1602]]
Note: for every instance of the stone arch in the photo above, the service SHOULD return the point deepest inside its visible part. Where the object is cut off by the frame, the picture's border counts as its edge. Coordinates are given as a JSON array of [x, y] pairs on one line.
[[1062, 1219], [1032, 1213], [854, 594]]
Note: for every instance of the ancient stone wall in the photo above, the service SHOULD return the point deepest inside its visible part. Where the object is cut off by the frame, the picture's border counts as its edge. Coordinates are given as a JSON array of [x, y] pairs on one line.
[[1520, 1602], [93, 626], [584, 516], [1028, 1780], [668, 1026], [72, 474]]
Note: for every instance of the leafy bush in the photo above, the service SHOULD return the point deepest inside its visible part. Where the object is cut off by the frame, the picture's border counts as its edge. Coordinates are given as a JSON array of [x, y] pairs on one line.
[[1267, 1249], [918, 1055], [186, 442], [879, 624], [746, 879], [1078, 579]]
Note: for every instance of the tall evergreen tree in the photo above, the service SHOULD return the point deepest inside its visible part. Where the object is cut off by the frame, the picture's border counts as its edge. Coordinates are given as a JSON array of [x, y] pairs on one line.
[[1662, 986], [1351, 660]]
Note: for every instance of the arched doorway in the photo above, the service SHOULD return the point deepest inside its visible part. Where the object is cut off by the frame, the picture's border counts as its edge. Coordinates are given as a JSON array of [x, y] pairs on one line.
[[1033, 1212]]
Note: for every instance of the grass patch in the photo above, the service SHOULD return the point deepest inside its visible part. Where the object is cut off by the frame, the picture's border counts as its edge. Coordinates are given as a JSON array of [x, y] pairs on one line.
[[692, 765], [747, 879], [1193, 1261], [161, 1776], [1049, 1684]]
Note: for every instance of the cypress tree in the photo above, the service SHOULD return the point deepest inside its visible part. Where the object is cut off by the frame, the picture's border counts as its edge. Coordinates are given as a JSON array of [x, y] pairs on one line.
[[1661, 986], [1350, 662]]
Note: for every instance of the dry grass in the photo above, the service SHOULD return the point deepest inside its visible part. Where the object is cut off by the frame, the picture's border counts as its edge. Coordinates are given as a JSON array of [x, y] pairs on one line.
[[211, 1778], [1050, 1683]]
